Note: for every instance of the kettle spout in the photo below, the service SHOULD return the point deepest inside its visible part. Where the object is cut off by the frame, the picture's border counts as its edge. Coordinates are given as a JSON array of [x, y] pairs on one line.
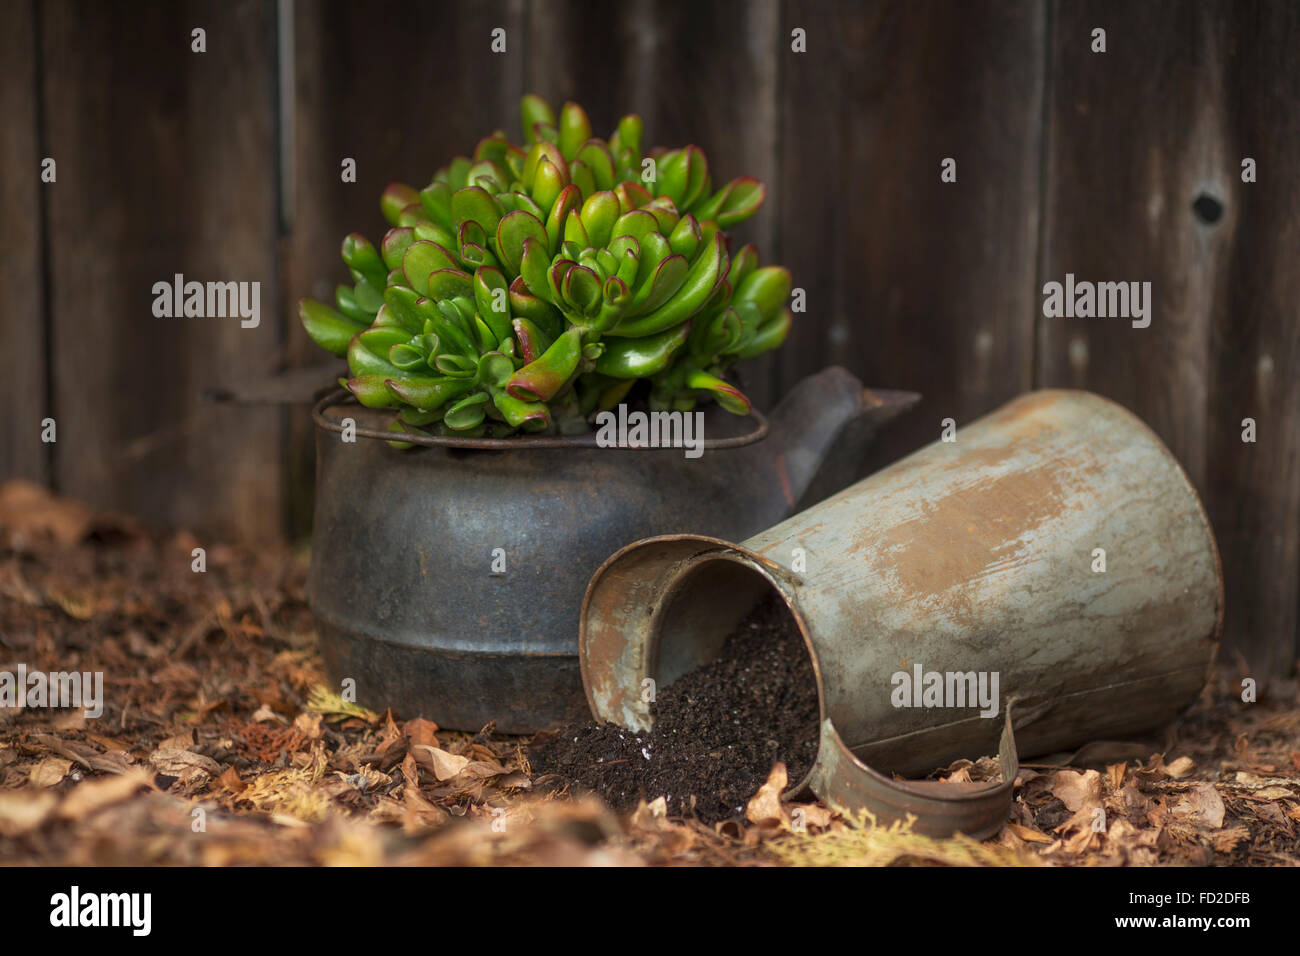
[[820, 432]]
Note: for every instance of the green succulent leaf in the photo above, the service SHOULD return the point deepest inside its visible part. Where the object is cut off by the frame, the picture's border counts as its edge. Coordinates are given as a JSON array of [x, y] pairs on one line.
[[362, 258], [512, 231], [346, 300], [543, 378], [704, 275], [742, 264], [575, 129], [734, 203], [726, 394], [426, 392], [476, 204], [396, 198], [329, 329], [549, 183], [467, 413], [580, 175], [643, 357], [423, 258], [393, 246], [582, 290], [530, 416], [595, 155], [402, 303], [686, 237], [372, 391], [537, 310], [628, 136], [435, 199], [771, 334], [533, 341], [600, 213], [432, 232], [535, 110], [408, 357], [767, 288]]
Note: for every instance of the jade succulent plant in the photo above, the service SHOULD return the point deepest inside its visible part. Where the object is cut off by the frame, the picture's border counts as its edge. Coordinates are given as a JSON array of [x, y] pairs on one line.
[[531, 286]]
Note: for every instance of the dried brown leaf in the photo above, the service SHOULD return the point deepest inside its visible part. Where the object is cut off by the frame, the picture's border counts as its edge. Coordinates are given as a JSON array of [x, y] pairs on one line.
[[1202, 806], [423, 733], [308, 725], [50, 772], [1077, 791], [420, 813], [443, 765], [63, 748], [230, 779], [179, 742], [810, 816], [176, 762], [765, 808], [410, 770], [93, 795], [1028, 834], [1272, 793]]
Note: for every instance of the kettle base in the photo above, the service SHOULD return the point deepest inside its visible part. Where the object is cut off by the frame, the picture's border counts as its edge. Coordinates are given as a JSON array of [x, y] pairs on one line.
[[521, 693]]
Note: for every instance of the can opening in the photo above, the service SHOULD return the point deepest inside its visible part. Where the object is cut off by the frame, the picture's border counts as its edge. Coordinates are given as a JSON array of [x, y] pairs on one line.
[[704, 606]]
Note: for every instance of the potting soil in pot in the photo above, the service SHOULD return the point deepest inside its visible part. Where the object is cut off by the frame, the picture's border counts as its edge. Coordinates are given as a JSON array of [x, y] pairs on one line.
[[717, 730]]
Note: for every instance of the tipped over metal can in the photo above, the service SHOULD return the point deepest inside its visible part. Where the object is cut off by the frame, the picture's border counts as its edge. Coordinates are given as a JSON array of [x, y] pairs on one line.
[[1053, 551]]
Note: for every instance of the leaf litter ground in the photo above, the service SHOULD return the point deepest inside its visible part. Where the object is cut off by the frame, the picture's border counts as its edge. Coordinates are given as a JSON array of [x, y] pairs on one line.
[[220, 743]]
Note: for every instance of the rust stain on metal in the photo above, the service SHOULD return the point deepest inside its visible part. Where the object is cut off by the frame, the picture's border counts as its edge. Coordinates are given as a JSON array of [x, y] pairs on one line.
[[972, 530]]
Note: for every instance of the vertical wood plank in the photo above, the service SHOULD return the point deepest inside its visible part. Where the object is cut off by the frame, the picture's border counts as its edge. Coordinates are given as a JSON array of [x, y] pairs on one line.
[[22, 332], [912, 282], [1135, 136], [716, 84], [400, 113], [166, 165], [401, 88], [1254, 489], [1143, 183]]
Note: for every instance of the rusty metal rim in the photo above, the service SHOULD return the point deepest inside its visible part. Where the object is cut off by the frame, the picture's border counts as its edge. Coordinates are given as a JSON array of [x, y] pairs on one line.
[[713, 549], [940, 809], [761, 566], [342, 396]]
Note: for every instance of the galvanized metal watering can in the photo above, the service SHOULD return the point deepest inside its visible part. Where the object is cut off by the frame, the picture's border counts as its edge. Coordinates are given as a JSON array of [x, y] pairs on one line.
[[447, 581], [1055, 547]]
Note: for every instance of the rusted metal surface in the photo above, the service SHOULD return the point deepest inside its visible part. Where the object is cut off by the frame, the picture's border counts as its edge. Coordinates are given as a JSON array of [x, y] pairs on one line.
[[401, 579], [972, 556]]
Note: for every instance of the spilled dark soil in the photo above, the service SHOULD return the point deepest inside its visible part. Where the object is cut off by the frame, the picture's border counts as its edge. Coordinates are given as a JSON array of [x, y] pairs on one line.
[[717, 730]]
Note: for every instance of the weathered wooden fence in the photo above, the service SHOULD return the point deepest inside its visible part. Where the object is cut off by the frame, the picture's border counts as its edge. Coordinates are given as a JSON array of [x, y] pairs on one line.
[[225, 165]]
